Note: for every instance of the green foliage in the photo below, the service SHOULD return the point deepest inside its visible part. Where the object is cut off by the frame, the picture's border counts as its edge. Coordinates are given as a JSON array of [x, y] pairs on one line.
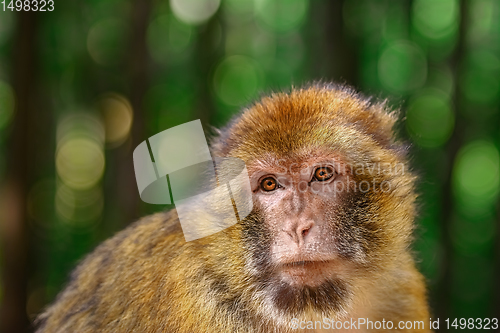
[[107, 78]]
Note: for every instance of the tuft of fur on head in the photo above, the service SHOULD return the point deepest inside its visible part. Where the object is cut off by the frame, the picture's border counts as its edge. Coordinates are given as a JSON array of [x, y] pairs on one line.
[[282, 122]]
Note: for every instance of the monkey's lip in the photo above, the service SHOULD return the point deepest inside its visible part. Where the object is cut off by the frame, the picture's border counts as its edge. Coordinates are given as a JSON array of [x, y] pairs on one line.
[[307, 272], [307, 264]]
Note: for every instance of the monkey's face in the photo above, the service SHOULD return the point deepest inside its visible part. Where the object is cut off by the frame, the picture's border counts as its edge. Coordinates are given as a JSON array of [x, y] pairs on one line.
[[313, 230], [298, 200], [331, 207]]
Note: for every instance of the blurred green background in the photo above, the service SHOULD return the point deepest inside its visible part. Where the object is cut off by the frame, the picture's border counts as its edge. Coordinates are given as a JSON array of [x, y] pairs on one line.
[[83, 85]]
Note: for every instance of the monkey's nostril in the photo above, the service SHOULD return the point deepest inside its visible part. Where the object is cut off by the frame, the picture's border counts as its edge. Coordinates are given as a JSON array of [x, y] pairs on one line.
[[298, 233]]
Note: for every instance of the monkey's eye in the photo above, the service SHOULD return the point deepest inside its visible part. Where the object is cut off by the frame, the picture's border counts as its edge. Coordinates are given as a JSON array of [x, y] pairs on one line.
[[323, 173], [268, 184]]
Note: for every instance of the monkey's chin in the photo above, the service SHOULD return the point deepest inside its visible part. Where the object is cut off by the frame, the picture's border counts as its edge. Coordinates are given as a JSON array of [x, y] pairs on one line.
[[305, 286], [307, 273]]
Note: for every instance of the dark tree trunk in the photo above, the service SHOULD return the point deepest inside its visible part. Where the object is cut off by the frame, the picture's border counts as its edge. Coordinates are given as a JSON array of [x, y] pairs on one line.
[[138, 76], [19, 177], [443, 294], [333, 56], [207, 53]]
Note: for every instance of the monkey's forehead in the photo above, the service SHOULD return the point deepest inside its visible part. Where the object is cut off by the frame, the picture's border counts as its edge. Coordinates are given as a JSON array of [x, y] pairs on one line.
[[317, 116], [296, 160]]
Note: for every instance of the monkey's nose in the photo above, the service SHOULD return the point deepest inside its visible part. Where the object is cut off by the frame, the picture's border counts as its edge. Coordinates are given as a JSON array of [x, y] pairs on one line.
[[299, 230]]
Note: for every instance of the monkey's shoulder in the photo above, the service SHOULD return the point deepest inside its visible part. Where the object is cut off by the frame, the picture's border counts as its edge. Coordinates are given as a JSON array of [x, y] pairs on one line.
[[134, 250], [149, 236], [115, 275]]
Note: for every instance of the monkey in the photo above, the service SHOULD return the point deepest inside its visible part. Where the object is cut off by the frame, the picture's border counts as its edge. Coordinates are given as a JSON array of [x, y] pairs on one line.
[[328, 240]]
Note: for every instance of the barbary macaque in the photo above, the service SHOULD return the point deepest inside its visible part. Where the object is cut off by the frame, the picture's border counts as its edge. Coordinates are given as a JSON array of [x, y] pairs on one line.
[[328, 239]]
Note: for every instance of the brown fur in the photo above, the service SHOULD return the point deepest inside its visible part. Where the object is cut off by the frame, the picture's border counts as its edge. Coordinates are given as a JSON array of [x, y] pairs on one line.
[[148, 279]]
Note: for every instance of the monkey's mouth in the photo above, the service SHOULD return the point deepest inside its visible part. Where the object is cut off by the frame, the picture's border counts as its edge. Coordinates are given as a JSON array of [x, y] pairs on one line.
[[301, 263], [306, 264], [307, 272]]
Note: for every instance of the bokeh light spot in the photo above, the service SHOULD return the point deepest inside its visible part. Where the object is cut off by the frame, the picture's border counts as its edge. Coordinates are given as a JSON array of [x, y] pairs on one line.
[[79, 154], [476, 175], [105, 41], [65, 202], [237, 79], [166, 36], [402, 67], [80, 163], [117, 115], [281, 15], [194, 11], [435, 19], [79, 208], [430, 119]]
